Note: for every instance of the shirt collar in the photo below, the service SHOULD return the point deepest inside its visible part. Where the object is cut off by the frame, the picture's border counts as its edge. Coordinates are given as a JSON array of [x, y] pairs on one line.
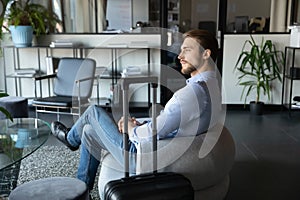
[[203, 76]]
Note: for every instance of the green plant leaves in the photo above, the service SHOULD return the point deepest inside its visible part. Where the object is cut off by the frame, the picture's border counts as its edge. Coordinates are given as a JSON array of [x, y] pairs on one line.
[[3, 110], [2, 94], [26, 13], [6, 113], [259, 66]]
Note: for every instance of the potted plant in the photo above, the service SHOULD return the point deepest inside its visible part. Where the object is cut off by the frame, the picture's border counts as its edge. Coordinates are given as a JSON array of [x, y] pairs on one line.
[[27, 17], [3, 110], [259, 66]]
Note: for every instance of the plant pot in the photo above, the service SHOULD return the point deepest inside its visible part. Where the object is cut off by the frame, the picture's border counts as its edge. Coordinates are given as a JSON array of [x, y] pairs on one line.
[[256, 108], [21, 35]]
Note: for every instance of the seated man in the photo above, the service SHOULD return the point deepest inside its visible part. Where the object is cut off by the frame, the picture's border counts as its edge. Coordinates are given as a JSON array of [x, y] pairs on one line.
[[191, 111]]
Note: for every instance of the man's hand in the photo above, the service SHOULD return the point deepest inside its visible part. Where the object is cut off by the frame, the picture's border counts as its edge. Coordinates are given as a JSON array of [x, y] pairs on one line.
[[132, 122]]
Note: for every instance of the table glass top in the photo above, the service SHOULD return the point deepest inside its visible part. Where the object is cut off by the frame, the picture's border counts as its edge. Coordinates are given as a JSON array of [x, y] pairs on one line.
[[20, 138]]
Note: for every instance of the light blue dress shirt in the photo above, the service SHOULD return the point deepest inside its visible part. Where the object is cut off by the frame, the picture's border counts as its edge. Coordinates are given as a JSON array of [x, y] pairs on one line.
[[191, 110]]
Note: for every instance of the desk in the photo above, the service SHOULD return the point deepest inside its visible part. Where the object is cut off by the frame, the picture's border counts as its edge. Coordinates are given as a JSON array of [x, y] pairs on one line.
[[18, 139]]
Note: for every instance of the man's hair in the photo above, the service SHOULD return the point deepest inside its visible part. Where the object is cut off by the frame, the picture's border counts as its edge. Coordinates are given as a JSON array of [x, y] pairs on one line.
[[206, 39]]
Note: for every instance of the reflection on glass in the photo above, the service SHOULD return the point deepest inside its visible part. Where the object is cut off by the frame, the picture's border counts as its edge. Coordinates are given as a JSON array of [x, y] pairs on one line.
[[81, 16], [56, 6], [242, 15], [89, 16], [295, 13], [20, 138]]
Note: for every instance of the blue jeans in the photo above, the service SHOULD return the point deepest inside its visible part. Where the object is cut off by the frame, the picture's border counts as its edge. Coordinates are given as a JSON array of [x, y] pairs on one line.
[[104, 134]]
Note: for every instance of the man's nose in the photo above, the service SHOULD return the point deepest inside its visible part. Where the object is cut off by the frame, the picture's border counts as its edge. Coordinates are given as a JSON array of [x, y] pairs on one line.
[[180, 56]]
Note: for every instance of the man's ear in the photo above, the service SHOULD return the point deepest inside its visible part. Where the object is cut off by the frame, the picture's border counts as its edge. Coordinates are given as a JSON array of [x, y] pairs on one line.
[[206, 54]]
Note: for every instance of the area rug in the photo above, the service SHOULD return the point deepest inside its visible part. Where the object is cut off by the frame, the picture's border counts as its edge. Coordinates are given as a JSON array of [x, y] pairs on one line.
[[52, 161]]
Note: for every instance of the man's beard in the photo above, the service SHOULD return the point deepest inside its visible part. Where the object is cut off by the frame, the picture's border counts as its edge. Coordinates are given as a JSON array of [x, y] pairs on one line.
[[188, 70]]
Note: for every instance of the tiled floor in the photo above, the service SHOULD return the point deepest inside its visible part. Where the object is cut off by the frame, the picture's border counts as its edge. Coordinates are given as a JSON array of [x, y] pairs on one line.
[[267, 164]]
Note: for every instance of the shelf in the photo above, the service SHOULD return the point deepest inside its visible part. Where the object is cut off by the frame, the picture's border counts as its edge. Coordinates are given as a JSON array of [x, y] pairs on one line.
[[32, 47], [289, 47], [293, 106], [287, 102], [112, 75], [289, 77], [24, 75], [132, 105], [108, 76]]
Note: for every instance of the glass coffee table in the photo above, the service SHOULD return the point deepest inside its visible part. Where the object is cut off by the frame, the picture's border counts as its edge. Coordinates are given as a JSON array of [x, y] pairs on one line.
[[18, 139]]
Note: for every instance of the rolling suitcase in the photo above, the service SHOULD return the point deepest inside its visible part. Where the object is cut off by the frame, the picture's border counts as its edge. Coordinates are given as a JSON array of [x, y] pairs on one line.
[[150, 186]]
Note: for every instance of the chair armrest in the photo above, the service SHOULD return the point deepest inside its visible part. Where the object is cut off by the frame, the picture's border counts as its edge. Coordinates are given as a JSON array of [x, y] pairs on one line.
[[38, 78], [42, 77], [78, 81]]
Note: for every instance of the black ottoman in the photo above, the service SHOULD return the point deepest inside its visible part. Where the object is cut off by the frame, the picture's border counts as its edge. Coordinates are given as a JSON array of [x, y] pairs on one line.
[[16, 106], [54, 188]]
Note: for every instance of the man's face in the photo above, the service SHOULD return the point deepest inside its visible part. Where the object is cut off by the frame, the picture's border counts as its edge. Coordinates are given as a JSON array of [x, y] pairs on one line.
[[190, 56]]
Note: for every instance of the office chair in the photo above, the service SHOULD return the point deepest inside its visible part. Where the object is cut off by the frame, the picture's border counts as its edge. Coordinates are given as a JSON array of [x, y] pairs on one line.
[[73, 84]]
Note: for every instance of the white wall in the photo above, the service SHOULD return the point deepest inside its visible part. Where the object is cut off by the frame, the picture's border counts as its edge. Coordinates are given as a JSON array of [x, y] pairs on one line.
[[233, 45]]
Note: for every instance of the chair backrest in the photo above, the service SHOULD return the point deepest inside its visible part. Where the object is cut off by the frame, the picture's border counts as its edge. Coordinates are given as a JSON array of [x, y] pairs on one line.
[[70, 70]]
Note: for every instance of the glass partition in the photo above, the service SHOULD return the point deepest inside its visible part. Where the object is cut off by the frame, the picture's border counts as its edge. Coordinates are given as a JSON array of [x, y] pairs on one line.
[[91, 16], [81, 16], [96, 16], [295, 13], [248, 16]]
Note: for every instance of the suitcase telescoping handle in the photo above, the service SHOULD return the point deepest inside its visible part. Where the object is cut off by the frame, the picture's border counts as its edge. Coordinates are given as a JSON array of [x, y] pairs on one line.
[[125, 82]]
